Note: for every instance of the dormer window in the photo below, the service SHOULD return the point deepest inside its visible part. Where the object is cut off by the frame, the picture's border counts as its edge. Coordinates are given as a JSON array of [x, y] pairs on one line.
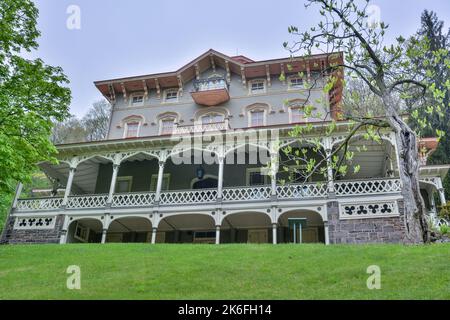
[[132, 129], [171, 95], [295, 83], [257, 86], [137, 100]]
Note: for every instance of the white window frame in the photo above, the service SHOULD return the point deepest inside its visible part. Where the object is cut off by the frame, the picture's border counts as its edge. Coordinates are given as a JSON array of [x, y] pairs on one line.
[[139, 104], [291, 116], [249, 171], [167, 118], [125, 128], [209, 114], [154, 182], [124, 178], [291, 87], [171, 90], [257, 109], [250, 85]]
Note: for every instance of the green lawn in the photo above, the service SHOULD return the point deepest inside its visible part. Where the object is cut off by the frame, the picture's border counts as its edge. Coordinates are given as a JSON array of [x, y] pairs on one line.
[[144, 271]]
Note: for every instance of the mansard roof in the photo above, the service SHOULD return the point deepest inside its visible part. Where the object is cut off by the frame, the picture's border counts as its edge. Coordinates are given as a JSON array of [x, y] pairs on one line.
[[241, 65]]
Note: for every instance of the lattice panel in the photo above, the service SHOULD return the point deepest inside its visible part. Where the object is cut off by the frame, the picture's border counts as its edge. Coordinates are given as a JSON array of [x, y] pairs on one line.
[[368, 210], [189, 197], [39, 204], [87, 202], [35, 223], [367, 187], [246, 193], [296, 191], [133, 199]]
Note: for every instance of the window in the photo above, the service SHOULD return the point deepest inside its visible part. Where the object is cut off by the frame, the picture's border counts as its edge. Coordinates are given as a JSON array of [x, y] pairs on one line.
[[123, 184], [295, 83], [132, 129], [257, 86], [213, 118], [255, 177], [166, 125], [137, 100], [165, 182], [257, 118], [171, 95], [297, 115], [81, 233]]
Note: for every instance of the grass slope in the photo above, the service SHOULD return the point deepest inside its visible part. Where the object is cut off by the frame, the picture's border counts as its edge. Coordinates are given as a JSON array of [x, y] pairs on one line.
[[143, 271]]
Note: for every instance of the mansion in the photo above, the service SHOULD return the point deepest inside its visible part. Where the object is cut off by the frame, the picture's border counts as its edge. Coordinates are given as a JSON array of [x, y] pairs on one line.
[[145, 183]]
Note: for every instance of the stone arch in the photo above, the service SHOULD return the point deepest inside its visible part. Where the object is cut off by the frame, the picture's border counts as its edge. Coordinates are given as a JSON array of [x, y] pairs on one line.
[[84, 230], [313, 232], [247, 226], [129, 228]]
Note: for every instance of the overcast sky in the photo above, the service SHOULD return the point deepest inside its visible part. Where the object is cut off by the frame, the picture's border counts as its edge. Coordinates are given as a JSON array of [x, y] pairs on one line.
[[125, 38]]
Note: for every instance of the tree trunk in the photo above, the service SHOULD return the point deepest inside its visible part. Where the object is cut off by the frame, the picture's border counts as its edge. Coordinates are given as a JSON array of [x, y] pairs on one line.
[[414, 209]]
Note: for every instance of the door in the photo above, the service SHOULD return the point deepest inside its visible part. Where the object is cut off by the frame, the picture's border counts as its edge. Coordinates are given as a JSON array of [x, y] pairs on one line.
[[257, 236]]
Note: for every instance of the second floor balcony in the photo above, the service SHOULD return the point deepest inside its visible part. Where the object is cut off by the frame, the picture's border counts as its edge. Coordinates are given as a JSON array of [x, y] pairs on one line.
[[211, 91]]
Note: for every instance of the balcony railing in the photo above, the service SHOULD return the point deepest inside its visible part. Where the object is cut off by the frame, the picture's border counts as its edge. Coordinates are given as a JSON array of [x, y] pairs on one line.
[[208, 196], [199, 128], [214, 83]]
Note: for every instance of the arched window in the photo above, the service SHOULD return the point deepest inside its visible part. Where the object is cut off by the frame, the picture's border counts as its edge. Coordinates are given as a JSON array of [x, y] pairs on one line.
[[212, 117], [167, 122], [297, 111], [132, 126], [257, 115]]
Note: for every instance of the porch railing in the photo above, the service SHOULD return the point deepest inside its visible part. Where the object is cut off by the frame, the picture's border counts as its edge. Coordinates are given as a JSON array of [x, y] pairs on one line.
[[205, 196], [133, 199], [87, 201], [39, 204], [296, 191], [362, 187], [247, 193], [189, 196], [218, 126]]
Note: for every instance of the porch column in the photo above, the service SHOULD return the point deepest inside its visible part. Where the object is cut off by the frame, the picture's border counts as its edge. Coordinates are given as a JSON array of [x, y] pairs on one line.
[[220, 177], [330, 172], [154, 230], [104, 235], [327, 235], [112, 187], [274, 233], [19, 188], [69, 185], [217, 234], [160, 180], [273, 172], [441, 191], [63, 238]]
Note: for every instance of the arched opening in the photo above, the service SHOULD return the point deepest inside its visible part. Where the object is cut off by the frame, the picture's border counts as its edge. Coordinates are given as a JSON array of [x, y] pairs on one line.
[[301, 226], [87, 230], [129, 230], [186, 228], [246, 227]]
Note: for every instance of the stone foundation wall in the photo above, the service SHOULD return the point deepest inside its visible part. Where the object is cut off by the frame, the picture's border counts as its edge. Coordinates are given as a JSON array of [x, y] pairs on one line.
[[14, 236], [375, 230]]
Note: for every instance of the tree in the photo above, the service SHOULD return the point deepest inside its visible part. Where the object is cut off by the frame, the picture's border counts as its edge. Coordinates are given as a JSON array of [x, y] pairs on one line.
[[96, 121], [434, 43], [387, 72], [32, 95], [70, 130]]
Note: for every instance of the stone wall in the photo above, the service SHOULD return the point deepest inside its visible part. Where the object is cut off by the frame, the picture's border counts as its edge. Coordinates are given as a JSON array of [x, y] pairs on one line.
[[14, 236], [375, 230]]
